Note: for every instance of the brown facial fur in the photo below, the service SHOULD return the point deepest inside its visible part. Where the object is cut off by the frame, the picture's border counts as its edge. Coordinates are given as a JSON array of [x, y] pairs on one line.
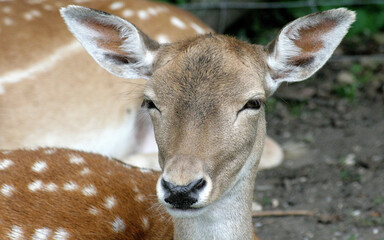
[[196, 122]]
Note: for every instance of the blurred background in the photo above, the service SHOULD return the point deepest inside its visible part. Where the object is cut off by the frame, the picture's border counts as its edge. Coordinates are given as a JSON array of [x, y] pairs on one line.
[[331, 126]]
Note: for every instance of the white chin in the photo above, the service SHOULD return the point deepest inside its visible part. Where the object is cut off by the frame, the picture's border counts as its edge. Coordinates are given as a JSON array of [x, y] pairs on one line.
[[186, 213]]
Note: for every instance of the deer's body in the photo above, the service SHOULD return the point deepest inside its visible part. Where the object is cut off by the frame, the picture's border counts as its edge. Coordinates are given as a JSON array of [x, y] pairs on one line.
[[73, 195], [53, 94], [205, 96]]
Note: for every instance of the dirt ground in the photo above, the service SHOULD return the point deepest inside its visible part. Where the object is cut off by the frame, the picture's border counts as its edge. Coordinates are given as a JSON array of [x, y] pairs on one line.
[[334, 144]]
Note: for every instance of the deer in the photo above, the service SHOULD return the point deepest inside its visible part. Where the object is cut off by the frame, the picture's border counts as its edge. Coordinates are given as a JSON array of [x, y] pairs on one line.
[[206, 98], [69, 101]]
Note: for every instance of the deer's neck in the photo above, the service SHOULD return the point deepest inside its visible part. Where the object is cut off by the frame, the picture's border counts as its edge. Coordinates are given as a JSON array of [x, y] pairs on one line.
[[230, 217]]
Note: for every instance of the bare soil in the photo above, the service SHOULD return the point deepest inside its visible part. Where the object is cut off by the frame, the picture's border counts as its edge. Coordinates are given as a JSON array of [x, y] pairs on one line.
[[334, 166]]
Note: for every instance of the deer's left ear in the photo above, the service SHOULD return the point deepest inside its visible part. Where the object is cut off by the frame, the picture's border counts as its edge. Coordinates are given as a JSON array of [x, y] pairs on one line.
[[304, 45]]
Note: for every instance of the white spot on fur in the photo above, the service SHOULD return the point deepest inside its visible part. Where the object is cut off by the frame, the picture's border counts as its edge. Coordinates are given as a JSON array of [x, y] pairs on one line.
[[178, 23], [152, 11], [6, 163], [42, 66], [50, 187], [36, 185], [47, 7], [128, 13], [162, 9], [39, 166], [135, 188], [70, 186], [76, 160], [35, 1], [85, 171], [89, 190], [29, 16], [8, 21], [49, 151], [16, 233], [143, 15], [41, 234], [145, 222], [93, 210], [7, 9], [116, 5], [197, 28], [60, 234], [145, 170], [7, 190], [110, 202], [118, 225], [140, 198], [161, 38]]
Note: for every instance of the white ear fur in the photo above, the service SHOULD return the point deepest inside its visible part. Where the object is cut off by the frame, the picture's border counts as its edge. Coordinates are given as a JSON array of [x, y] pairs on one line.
[[304, 45], [116, 44]]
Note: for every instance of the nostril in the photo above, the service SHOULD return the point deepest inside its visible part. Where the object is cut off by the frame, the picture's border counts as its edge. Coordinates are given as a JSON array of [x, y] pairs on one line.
[[199, 184], [167, 185]]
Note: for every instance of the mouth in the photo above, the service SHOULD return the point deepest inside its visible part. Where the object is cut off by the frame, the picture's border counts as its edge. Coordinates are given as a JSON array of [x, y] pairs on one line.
[[185, 208], [185, 212]]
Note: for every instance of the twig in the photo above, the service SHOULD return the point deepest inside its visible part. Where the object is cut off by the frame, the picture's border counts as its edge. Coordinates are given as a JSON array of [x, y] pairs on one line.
[[283, 213]]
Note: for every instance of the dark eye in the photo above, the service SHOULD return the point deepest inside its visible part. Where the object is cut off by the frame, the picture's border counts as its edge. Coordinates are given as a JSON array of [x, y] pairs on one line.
[[147, 103], [254, 104]]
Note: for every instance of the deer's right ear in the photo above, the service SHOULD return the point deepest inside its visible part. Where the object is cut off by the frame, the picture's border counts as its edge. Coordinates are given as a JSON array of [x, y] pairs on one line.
[[116, 44], [304, 45]]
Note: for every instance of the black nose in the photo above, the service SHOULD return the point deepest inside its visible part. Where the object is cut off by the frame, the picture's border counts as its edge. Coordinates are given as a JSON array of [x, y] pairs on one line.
[[182, 196]]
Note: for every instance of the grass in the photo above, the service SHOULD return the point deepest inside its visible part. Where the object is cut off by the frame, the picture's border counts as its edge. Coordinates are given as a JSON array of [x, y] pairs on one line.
[[362, 76], [348, 175], [352, 237], [371, 221], [378, 200]]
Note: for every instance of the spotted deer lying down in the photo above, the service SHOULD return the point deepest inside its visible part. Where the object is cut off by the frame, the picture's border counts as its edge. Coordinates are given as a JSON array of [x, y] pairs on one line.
[[206, 100], [69, 101]]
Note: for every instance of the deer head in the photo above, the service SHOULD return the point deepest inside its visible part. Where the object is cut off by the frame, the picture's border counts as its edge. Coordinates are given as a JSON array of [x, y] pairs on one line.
[[206, 96]]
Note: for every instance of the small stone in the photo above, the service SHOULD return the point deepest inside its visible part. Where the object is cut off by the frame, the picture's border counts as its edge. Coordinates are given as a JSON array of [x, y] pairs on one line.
[[350, 159], [275, 203], [356, 213], [345, 77]]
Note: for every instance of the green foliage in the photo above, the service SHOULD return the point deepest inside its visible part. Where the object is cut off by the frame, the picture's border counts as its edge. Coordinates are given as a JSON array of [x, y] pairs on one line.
[[348, 175], [296, 108], [262, 25], [371, 221], [271, 105], [352, 237], [266, 201], [362, 75], [378, 200]]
